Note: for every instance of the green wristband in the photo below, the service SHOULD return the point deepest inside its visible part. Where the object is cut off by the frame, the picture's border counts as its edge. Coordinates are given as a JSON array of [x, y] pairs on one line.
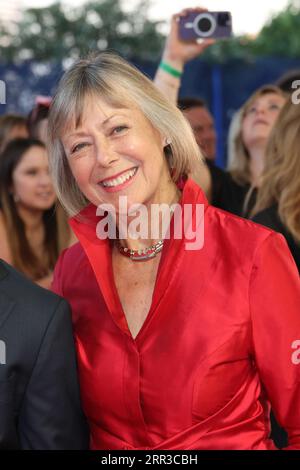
[[167, 68]]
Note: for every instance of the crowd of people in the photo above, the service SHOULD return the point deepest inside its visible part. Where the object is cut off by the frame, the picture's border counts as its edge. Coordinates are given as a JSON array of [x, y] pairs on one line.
[[175, 348]]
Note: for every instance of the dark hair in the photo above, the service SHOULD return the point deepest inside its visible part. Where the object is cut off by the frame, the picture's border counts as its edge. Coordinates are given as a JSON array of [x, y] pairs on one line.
[[36, 115], [286, 80], [7, 123], [191, 102], [24, 258]]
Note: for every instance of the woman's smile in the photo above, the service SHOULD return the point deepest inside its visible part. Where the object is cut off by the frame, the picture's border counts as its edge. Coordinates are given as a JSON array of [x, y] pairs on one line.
[[120, 181]]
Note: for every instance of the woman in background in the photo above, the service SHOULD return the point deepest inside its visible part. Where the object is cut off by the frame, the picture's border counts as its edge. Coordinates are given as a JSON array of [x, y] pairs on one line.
[[233, 190], [246, 161], [32, 231], [278, 197]]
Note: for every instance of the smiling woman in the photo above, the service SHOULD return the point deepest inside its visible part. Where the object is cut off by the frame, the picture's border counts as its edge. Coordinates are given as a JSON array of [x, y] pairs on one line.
[[150, 377], [29, 227], [117, 151], [81, 121]]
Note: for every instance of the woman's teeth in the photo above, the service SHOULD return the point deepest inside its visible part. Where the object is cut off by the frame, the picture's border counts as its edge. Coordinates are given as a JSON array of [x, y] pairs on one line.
[[121, 179]]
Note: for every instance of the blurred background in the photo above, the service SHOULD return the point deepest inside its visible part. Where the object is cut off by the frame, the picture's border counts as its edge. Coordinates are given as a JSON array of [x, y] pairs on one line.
[[40, 38]]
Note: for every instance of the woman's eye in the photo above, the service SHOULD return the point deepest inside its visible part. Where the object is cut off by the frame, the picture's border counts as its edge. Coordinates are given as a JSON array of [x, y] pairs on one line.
[[119, 129], [32, 172], [274, 106], [78, 147]]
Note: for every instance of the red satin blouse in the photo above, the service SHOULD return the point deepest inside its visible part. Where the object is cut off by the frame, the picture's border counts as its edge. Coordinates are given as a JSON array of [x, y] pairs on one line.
[[218, 346]]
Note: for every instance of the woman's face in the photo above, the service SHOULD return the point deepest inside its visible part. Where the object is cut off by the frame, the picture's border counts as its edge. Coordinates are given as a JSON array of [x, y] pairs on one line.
[[32, 187], [260, 118], [117, 152]]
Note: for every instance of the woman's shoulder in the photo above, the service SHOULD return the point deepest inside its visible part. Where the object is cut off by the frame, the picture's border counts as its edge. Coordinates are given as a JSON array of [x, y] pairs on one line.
[[70, 261], [244, 243], [72, 255], [240, 224], [269, 217], [237, 232], [72, 269]]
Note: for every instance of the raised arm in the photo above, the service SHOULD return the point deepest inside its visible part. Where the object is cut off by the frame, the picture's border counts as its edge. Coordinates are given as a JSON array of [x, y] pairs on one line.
[[168, 77], [175, 55]]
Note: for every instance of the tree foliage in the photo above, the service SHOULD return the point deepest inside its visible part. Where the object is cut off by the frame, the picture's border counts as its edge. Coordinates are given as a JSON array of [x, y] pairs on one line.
[[59, 32], [280, 37]]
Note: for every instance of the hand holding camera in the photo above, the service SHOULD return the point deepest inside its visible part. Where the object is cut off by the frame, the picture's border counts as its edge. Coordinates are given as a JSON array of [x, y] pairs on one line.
[[178, 51], [205, 24]]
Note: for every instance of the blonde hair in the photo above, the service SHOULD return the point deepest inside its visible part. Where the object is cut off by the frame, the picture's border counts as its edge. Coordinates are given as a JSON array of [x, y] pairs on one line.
[[109, 77], [238, 158], [280, 180]]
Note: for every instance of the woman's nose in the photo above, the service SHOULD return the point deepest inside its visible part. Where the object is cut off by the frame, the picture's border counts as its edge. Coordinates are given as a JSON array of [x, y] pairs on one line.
[[261, 110], [45, 179], [105, 154]]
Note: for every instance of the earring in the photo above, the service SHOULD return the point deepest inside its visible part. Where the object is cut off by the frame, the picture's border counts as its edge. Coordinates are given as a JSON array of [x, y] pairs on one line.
[[16, 198], [168, 141]]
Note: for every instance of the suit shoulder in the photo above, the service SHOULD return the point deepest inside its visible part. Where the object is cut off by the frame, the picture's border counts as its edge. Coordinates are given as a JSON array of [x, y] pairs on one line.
[[25, 292]]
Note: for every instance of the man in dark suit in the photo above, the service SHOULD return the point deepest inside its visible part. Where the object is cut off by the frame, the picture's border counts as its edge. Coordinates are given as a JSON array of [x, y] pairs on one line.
[[39, 393]]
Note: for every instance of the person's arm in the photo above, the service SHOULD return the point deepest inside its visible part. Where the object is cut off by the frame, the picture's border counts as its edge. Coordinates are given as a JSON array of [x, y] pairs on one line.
[[51, 417], [176, 54], [274, 299]]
